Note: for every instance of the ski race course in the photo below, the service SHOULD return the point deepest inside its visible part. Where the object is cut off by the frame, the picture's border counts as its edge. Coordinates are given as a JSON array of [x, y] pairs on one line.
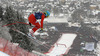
[[63, 45]]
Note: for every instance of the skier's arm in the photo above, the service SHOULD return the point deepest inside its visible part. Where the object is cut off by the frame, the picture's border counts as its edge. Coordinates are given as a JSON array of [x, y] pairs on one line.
[[42, 19]]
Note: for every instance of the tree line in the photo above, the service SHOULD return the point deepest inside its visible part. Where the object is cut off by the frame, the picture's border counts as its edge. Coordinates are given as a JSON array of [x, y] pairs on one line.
[[9, 15]]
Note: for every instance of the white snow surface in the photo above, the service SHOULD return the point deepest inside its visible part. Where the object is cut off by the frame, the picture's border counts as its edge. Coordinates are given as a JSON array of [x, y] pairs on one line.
[[3, 54], [62, 45], [56, 20], [53, 28]]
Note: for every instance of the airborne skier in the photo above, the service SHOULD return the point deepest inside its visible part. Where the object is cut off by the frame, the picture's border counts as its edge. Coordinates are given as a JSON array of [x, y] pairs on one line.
[[33, 20]]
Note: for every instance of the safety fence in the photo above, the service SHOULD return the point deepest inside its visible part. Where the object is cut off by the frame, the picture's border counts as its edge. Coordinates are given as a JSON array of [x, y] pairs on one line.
[[12, 49]]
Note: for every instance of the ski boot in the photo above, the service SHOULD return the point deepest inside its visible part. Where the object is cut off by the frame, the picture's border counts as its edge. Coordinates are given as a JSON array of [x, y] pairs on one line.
[[30, 34]]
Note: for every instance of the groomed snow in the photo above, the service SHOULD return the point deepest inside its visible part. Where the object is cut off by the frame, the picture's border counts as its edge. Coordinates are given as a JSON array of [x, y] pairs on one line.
[[56, 20], [62, 45], [67, 39], [3, 54]]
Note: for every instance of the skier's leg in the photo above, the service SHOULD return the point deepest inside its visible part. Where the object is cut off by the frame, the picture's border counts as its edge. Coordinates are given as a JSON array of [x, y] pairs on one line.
[[33, 20], [31, 34], [33, 30]]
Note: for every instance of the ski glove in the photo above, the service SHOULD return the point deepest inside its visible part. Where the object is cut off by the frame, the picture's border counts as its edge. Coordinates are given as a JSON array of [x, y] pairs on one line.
[[42, 29], [30, 24]]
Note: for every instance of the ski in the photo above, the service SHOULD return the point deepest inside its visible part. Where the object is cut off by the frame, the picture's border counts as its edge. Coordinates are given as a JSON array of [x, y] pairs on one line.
[[36, 40], [22, 33]]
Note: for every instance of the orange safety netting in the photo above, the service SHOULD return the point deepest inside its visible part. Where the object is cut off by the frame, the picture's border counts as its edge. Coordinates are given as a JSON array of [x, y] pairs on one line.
[[13, 50]]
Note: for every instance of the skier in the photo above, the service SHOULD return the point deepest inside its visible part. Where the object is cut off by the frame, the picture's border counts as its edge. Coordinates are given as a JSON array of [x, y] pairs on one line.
[[33, 20]]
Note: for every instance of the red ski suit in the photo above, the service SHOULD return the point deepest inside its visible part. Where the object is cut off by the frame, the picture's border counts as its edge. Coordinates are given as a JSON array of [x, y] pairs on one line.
[[33, 21]]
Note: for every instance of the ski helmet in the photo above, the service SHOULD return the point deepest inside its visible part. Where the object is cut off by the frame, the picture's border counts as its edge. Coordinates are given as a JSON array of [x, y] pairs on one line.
[[47, 13]]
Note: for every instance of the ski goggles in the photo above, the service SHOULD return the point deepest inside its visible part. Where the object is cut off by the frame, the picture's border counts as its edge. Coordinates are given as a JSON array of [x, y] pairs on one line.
[[46, 14]]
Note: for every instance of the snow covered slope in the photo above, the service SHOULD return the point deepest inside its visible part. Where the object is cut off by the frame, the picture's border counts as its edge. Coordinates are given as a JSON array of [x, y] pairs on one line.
[[62, 45], [57, 20], [3, 54]]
